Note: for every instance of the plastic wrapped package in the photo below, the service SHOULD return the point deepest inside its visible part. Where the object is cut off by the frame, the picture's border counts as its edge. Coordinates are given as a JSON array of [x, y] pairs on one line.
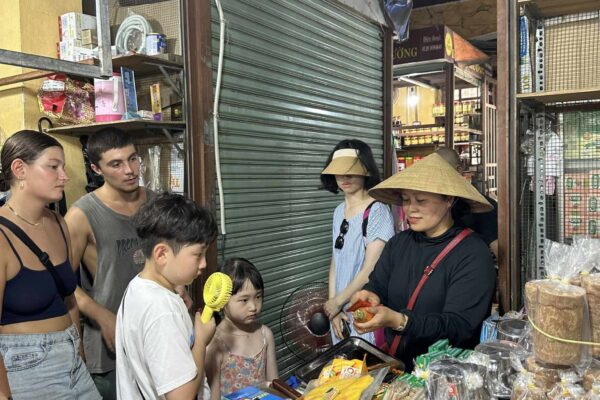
[[566, 391], [593, 393], [545, 377], [524, 388], [500, 360], [591, 377], [558, 310], [356, 388], [402, 390], [591, 284], [65, 101], [449, 379]]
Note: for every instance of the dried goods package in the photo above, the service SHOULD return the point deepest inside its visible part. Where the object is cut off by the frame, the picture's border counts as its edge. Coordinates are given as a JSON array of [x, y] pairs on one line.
[[559, 310], [591, 284]]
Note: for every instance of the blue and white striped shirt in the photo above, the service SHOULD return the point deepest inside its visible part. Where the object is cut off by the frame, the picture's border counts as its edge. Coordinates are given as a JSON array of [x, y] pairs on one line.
[[349, 259]]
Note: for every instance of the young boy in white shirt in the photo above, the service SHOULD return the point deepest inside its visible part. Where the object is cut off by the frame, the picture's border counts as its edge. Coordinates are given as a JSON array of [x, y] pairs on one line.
[[160, 354]]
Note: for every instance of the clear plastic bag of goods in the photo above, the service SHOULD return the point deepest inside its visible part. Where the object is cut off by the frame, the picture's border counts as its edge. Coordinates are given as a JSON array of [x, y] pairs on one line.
[[558, 311], [545, 376], [567, 389], [525, 388], [593, 393], [499, 358], [591, 376], [450, 379], [402, 390]]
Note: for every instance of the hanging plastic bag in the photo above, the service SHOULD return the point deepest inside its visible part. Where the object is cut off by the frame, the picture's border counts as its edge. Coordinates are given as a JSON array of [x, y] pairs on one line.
[[65, 101]]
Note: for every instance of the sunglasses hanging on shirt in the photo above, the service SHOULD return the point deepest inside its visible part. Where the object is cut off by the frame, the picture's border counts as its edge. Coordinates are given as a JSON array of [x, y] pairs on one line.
[[339, 242]]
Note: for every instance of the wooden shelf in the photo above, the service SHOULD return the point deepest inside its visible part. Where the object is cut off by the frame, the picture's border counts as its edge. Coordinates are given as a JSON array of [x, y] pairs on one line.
[[554, 8], [144, 65], [417, 146], [441, 132], [470, 142], [139, 126], [561, 95]]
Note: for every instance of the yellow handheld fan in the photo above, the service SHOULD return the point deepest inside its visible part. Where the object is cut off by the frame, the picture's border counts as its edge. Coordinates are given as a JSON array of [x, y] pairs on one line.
[[217, 291]]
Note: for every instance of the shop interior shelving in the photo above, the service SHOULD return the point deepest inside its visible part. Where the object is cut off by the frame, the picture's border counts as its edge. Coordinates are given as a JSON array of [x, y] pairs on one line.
[[435, 75], [142, 64], [561, 95], [137, 128], [129, 125], [549, 213]]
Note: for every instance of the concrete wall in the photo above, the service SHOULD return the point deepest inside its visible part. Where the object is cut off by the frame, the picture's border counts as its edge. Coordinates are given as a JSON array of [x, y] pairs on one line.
[[31, 26]]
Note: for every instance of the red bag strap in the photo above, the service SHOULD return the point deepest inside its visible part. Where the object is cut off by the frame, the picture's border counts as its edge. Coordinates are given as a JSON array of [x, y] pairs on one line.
[[428, 271]]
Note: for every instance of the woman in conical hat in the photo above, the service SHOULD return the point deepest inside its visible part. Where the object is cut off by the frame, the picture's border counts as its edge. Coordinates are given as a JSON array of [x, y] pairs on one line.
[[356, 243], [453, 296]]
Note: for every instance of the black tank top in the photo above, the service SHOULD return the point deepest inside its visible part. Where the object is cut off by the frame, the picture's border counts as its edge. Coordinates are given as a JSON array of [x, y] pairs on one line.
[[31, 295]]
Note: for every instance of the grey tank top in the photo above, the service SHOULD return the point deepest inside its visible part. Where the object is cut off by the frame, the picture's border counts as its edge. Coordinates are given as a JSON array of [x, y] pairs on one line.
[[120, 258]]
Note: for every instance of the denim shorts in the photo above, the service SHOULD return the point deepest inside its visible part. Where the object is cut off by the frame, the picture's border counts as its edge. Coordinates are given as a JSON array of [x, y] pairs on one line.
[[47, 366]]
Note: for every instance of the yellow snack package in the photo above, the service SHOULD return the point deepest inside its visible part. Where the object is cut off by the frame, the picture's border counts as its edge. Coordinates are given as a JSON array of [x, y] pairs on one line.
[[342, 369], [340, 389]]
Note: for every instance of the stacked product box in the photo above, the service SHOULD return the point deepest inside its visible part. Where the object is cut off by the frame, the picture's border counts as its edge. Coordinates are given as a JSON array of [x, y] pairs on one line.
[[582, 204], [592, 205], [77, 36], [575, 197]]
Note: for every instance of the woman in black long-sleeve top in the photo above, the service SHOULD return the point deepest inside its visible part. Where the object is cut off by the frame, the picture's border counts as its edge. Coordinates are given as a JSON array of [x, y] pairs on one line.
[[456, 297]]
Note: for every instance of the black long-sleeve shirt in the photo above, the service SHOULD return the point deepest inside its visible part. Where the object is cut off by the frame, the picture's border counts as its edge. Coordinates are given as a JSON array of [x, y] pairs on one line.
[[453, 302]]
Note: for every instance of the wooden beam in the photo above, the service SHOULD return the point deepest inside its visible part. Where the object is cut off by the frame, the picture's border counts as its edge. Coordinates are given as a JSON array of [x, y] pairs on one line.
[[24, 77], [554, 8], [469, 18], [200, 161], [505, 245], [561, 95], [389, 152]]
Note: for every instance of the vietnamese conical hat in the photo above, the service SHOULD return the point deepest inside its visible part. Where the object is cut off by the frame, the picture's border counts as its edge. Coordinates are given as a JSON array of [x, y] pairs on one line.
[[434, 175]]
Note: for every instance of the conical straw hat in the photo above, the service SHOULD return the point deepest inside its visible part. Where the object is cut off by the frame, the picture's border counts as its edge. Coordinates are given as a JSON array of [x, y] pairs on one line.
[[434, 175]]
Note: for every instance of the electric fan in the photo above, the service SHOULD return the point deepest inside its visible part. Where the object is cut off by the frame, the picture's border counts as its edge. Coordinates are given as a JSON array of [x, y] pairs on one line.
[[304, 326]]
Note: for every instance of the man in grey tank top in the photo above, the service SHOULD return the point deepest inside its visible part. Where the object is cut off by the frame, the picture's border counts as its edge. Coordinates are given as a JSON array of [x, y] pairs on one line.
[[105, 242]]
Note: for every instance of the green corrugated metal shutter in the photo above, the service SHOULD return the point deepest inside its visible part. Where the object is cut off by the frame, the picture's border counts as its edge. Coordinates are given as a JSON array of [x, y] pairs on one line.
[[298, 76]]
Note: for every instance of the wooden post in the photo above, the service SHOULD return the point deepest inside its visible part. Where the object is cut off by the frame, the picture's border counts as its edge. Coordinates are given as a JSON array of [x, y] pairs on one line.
[[200, 162]]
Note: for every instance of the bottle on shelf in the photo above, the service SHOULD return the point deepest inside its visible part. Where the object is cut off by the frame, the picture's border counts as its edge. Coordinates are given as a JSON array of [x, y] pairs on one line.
[[401, 163]]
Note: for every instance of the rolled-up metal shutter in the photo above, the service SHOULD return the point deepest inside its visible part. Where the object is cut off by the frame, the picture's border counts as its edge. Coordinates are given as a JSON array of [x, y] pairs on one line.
[[298, 76]]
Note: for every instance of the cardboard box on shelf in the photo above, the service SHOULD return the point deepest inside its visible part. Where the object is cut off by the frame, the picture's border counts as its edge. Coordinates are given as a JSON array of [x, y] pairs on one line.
[[72, 24], [575, 182], [592, 204], [575, 224], [594, 180], [592, 227], [575, 201], [589, 143], [68, 52], [89, 37]]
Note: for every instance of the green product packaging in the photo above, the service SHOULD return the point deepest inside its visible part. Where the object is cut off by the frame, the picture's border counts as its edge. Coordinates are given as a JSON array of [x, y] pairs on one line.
[[442, 344]]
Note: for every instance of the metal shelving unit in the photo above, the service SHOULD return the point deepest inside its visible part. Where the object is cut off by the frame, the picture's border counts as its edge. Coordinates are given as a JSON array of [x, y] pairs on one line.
[[546, 128]]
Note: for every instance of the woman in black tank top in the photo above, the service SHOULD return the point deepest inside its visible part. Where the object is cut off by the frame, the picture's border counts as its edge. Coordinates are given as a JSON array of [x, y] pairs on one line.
[[39, 333]]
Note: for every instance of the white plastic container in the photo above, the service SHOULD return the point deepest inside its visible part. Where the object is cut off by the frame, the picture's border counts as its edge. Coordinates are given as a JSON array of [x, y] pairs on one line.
[[110, 102]]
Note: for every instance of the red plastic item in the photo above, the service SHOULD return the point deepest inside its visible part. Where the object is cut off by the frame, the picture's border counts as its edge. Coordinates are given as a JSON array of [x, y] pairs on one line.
[[360, 304]]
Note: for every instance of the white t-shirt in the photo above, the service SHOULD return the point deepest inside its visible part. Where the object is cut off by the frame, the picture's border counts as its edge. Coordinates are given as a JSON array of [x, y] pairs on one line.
[[154, 336]]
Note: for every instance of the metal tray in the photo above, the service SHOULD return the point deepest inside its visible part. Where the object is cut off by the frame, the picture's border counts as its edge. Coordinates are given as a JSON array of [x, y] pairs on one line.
[[352, 347]]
